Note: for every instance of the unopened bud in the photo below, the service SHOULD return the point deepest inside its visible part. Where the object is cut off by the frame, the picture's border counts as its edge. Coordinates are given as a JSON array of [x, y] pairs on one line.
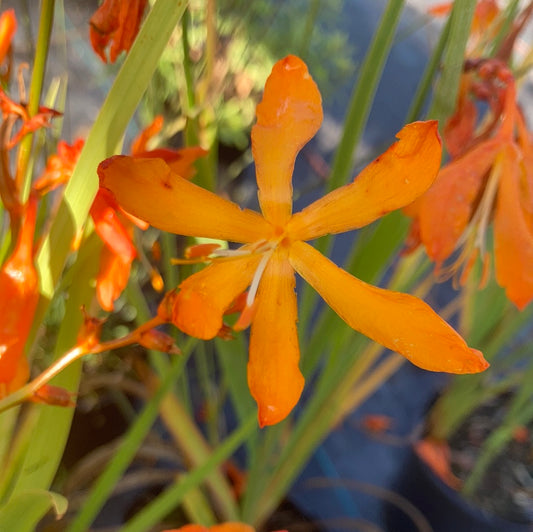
[[53, 395], [159, 341]]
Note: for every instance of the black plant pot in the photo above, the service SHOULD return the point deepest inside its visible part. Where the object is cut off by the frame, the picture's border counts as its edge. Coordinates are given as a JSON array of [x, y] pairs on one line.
[[444, 509]]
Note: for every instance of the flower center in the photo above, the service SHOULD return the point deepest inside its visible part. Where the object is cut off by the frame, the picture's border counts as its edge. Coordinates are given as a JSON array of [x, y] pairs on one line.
[[209, 253]]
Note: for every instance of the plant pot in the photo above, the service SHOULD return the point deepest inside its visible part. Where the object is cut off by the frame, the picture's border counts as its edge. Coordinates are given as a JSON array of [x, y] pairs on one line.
[[444, 509]]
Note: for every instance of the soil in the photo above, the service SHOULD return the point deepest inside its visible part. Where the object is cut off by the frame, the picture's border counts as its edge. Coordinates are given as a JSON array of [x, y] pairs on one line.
[[506, 488]]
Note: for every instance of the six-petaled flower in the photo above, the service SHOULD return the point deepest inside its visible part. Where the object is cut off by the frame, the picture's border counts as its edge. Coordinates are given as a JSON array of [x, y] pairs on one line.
[[273, 244]]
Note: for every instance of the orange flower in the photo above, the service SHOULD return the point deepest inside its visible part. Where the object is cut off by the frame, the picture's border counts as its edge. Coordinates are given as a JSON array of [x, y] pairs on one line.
[[115, 23], [493, 180], [18, 112], [19, 295], [114, 226], [8, 27], [59, 167], [274, 244]]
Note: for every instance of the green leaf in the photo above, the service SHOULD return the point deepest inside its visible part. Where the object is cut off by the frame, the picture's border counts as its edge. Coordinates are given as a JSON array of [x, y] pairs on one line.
[[447, 86], [105, 136], [25, 510]]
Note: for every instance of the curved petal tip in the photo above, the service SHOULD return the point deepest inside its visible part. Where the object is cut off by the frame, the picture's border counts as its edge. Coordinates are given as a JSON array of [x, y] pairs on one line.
[[476, 363]]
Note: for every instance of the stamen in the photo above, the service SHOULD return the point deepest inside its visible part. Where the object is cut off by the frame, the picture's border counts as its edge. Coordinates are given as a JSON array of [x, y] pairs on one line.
[[472, 242], [257, 277], [248, 312]]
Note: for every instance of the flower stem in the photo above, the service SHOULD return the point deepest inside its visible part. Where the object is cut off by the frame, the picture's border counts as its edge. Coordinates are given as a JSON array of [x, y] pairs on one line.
[[26, 392], [36, 86]]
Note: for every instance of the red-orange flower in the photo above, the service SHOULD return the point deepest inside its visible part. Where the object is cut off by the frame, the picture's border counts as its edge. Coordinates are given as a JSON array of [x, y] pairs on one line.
[[59, 167], [115, 24], [18, 300], [113, 225], [28, 124], [492, 181], [274, 244], [8, 27]]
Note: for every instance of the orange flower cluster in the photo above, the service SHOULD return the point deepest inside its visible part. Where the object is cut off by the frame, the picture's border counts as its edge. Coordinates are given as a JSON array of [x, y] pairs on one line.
[[19, 290], [489, 180], [113, 225], [273, 244]]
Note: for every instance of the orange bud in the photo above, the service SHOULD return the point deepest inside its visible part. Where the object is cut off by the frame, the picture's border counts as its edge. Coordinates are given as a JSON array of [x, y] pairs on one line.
[[157, 281], [160, 341], [8, 27], [53, 395], [156, 251], [89, 335], [225, 333], [18, 297]]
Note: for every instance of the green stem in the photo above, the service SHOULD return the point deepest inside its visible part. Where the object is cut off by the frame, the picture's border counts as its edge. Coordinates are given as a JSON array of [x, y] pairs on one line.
[[448, 85], [427, 80], [103, 487], [361, 99], [310, 23], [172, 496], [36, 87]]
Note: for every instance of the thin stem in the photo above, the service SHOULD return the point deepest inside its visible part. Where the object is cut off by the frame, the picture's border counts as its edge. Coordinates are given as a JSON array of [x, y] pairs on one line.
[[172, 496], [36, 87], [124, 455], [26, 392]]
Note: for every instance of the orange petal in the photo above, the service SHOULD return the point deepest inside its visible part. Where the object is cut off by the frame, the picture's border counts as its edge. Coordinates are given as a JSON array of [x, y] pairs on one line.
[[189, 528], [180, 161], [19, 295], [115, 23], [459, 130], [148, 189], [204, 296], [8, 27], [112, 278], [140, 142], [231, 527], [110, 228], [445, 210], [400, 322], [513, 240], [393, 180], [287, 118], [274, 378]]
